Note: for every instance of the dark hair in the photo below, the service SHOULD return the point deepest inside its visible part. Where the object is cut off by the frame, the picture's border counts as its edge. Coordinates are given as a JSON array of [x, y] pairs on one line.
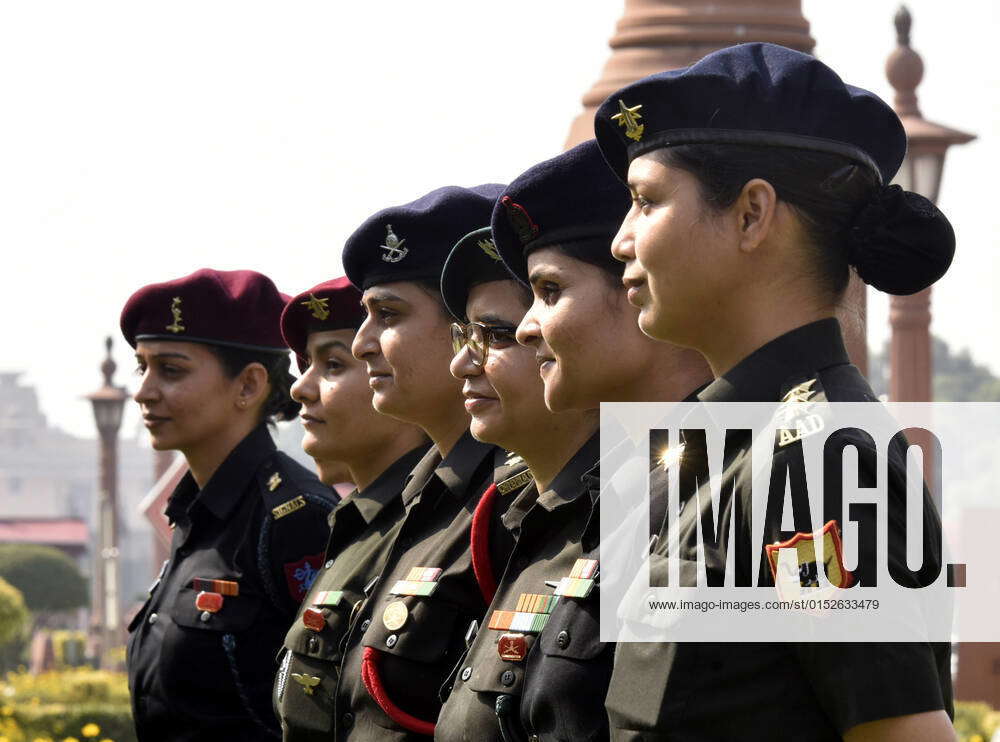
[[826, 191], [897, 241], [279, 404], [432, 287]]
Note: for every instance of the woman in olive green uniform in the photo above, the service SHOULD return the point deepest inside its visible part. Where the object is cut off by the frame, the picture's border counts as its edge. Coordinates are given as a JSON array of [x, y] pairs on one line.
[[343, 432], [537, 669], [409, 632], [759, 180]]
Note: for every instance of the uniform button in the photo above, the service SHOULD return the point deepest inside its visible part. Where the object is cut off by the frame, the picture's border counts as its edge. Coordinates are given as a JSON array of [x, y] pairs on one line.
[[152, 618], [563, 639], [391, 641], [313, 644], [347, 720], [507, 678], [466, 673], [328, 564], [184, 551], [205, 617], [533, 738], [365, 624]]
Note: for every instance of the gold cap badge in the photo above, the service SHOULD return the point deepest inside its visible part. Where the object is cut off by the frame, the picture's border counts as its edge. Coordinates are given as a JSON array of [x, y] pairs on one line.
[[175, 309], [317, 306], [490, 248], [629, 118], [394, 250]]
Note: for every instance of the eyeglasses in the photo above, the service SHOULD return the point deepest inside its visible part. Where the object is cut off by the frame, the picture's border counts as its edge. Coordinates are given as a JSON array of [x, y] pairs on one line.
[[478, 337]]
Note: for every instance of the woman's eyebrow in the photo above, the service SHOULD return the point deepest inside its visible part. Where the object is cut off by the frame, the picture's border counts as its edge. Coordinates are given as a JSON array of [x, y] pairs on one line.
[[489, 318]]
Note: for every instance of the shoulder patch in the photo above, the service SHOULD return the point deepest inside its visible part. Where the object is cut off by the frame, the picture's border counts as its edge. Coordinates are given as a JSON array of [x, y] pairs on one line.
[[302, 574]]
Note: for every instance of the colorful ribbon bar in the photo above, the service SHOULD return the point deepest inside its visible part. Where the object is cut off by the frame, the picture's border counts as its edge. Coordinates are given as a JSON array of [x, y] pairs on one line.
[[533, 603], [423, 574], [222, 587], [328, 598], [574, 587], [584, 568], [413, 587], [525, 623]]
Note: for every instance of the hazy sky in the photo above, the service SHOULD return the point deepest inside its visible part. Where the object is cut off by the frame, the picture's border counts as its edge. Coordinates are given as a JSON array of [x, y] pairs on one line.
[[141, 141]]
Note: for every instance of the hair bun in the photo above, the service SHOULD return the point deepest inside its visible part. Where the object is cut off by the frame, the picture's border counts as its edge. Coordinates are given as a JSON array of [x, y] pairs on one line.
[[900, 242]]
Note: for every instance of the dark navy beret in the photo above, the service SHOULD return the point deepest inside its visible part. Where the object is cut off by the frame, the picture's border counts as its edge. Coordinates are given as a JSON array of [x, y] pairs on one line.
[[571, 199], [238, 309], [757, 94], [332, 305], [412, 241], [472, 261]]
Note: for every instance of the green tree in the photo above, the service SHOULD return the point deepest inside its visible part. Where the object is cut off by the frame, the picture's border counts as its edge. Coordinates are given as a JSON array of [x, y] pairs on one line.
[[13, 612], [957, 377], [49, 580]]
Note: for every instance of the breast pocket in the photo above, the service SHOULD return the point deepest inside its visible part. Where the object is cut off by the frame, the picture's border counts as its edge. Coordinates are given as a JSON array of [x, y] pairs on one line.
[[573, 630], [417, 653], [194, 654]]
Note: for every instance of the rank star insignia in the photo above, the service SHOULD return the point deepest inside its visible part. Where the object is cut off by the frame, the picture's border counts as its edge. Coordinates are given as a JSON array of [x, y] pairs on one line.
[[274, 482], [629, 118], [175, 309], [308, 682], [394, 250], [317, 306], [490, 248]]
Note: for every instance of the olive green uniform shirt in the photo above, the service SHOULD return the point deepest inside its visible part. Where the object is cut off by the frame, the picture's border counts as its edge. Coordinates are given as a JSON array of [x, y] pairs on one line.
[[362, 529]]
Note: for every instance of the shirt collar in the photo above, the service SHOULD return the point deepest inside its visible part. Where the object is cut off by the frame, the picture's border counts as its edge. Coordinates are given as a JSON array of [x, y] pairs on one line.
[[759, 376], [566, 487], [459, 466], [224, 491], [387, 486]]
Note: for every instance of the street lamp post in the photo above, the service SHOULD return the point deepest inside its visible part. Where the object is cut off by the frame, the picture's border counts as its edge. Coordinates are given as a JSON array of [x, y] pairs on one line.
[[910, 316], [108, 403]]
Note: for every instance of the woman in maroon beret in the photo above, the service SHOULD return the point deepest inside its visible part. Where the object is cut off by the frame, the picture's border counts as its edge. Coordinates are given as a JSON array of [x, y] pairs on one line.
[[343, 433], [249, 522]]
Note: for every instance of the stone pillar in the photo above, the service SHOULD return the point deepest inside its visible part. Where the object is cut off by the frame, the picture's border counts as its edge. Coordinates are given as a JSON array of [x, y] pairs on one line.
[[656, 35]]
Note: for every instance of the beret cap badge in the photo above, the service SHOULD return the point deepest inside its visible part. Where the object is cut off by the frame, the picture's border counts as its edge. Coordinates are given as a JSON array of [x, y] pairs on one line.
[[319, 308], [490, 248], [525, 229], [629, 118], [175, 309], [394, 250]]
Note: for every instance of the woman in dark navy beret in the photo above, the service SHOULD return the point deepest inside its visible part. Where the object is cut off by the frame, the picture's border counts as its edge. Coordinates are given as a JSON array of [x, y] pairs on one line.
[[537, 669], [249, 523], [760, 185], [505, 397], [409, 631], [343, 433]]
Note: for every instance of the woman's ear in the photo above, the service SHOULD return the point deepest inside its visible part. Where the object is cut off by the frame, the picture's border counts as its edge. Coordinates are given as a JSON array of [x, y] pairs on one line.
[[253, 386], [755, 210]]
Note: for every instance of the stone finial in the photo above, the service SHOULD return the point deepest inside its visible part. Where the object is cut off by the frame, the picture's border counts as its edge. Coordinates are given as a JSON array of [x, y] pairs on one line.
[[108, 366], [903, 21], [904, 67]]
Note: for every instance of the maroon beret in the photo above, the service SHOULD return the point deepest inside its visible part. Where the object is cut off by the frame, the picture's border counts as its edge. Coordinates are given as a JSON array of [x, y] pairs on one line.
[[237, 309], [332, 305]]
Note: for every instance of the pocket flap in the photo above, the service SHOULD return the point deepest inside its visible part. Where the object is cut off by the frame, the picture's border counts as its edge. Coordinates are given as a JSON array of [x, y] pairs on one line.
[[237, 612], [426, 635], [573, 630]]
